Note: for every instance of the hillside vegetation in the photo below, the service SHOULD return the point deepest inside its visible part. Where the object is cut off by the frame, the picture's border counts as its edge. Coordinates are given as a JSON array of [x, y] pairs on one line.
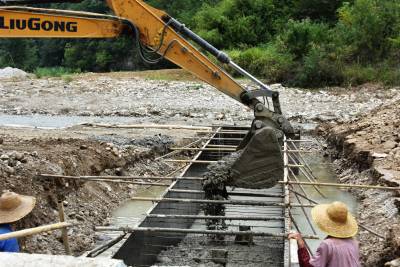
[[307, 43]]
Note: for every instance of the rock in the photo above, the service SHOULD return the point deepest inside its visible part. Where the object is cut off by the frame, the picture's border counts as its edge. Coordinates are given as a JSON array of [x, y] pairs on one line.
[[393, 263], [389, 144], [164, 259], [379, 155], [10, 170], [9, 72], [18, 156], [375, 141], [80, 217], [83, 147], [4, 157]]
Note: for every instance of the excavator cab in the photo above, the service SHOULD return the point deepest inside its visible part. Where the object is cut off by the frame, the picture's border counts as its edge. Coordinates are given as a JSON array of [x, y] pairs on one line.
[[260, 161]]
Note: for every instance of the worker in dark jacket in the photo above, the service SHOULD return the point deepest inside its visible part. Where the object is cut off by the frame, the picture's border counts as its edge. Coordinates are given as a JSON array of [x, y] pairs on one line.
[[13, 207], [338, 249]]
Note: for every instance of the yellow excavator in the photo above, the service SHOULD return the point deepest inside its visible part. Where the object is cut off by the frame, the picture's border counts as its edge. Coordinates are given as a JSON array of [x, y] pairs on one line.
[[260, 162]]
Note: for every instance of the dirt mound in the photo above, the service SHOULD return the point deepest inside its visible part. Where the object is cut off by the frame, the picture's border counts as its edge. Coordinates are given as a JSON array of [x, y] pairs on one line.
[[368, 152], [88, 203]]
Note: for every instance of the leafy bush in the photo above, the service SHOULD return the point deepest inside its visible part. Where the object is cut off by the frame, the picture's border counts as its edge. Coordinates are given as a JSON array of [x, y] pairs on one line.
[[300, 36], [267, 62], [318, 69], [236, 23], [319, 10], [385, 73], [369, 28]]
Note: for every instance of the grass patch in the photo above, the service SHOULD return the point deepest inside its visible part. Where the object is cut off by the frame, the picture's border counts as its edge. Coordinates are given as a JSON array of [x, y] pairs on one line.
[[161, 75], [56, 72]]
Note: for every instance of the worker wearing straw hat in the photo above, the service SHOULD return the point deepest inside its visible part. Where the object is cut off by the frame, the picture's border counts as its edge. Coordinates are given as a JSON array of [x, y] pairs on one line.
[[339, 249], [13, 207]]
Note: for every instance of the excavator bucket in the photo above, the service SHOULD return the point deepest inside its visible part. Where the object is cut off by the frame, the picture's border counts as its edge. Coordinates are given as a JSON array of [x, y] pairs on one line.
[[260, 165]]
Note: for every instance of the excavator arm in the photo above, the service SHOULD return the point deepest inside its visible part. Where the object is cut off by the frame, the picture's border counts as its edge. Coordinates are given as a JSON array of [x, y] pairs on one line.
[[160, 36]]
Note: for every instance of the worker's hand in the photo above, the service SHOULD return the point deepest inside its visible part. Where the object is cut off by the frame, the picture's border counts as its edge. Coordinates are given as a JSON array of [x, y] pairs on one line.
[[294, 236], [299, 239]]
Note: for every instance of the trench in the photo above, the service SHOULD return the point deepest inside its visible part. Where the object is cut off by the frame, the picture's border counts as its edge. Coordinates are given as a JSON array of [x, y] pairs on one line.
[[321, 168], [133, 212]]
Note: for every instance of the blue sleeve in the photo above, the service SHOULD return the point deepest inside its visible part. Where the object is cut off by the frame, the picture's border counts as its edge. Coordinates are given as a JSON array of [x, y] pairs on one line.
[[9, 245]]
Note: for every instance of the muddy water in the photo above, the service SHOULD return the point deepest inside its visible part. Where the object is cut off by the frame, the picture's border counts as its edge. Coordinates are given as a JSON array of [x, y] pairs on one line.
[[322, 169], [130, 214]]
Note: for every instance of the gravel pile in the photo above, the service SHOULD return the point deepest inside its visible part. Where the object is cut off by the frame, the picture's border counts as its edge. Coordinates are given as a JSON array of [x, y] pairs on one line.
[[9, 73]]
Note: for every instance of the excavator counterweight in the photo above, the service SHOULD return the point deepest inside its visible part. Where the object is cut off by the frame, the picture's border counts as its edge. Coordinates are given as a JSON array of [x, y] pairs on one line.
[[260, 163]]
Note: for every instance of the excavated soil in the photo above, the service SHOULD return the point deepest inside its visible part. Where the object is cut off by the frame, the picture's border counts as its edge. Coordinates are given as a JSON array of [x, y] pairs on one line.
[[86, 203], [367, 151]]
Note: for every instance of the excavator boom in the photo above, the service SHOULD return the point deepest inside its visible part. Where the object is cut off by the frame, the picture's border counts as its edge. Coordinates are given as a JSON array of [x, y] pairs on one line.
[[23, 22]]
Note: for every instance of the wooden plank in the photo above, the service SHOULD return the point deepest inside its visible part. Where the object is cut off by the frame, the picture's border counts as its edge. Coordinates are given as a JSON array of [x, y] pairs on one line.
[[120, 177], [206, 217], [344, 185], [232, 202], [61, 215], [231, 193], [35, 230], [196, 231], [191, 161], [202, 149], [177, 152], [147, 126]]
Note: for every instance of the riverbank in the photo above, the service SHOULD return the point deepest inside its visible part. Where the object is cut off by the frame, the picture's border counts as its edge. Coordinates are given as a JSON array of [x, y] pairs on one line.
[[157, 97], [367, 151]]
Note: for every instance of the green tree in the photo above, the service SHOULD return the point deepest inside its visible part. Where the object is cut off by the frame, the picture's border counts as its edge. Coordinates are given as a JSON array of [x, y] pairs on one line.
[[319, 10], [237, 23], [368, 29], [19, 53]]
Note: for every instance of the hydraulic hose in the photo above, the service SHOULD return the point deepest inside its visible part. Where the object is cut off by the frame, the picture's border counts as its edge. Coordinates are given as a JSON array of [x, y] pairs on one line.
[[225, 59]]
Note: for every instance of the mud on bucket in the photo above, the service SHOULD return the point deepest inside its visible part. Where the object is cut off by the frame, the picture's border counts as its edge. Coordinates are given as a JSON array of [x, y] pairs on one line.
[[260, 165]]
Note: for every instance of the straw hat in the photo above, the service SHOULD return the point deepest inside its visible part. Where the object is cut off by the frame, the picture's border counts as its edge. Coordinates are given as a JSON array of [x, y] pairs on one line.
[[14, 207], [335, 220]]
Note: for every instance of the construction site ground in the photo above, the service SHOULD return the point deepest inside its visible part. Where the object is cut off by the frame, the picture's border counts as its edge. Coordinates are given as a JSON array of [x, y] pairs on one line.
[[361, 125]]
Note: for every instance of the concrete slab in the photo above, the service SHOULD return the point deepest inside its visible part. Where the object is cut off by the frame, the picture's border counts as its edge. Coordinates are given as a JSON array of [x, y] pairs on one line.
[[38, 260]]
